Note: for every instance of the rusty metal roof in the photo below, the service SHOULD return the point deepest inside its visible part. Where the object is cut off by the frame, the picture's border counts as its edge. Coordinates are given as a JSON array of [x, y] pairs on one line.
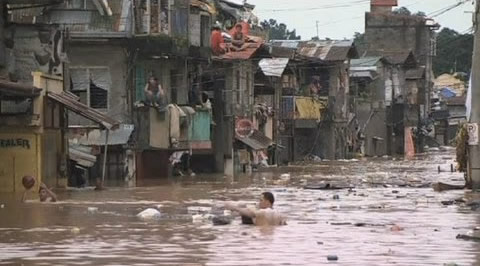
[[257, 141], [459, 100], [325, 50], [86, 111], [204, 5], [242, 55], [8, 88]]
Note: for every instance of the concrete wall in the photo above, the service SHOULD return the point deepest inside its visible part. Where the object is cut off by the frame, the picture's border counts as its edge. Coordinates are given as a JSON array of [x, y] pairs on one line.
[[31, 50], [375, 129], [103, 55], [171, 74], [398, 33], [3, 58], [28, 148]]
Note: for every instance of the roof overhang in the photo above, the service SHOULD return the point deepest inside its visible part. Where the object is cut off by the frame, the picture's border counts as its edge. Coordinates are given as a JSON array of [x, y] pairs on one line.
[[73, 105], [13, 89]]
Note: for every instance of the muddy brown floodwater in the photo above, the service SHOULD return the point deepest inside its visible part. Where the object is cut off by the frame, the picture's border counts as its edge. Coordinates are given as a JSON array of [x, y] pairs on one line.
[[390, 217]]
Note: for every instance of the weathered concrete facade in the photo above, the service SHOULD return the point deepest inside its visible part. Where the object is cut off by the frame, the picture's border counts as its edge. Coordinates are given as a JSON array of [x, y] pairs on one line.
[[104, 65], [3, 58], [394, 36], [318, 124]]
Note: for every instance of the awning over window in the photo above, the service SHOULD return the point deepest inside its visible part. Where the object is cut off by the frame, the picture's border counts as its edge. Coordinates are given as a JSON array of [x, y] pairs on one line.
[[256, 141], [13, 89], [273, 67], [96, 137], [77, 107]]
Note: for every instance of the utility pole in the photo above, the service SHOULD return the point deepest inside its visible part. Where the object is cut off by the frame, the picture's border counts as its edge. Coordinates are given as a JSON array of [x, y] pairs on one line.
[[318, 36], [474, 148]]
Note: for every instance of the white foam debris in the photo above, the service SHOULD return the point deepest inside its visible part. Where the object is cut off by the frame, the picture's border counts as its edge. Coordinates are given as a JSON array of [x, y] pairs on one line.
[[92, 209], [149, 214]]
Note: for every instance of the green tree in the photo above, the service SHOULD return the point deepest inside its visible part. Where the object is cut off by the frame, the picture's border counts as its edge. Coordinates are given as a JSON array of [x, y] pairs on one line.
[[406, 12], [279, 31], [360, 43], [454, 52], [402, 11]]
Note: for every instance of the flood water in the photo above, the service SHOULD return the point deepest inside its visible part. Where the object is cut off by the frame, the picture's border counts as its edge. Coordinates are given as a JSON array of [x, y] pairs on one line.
[[359, 225]]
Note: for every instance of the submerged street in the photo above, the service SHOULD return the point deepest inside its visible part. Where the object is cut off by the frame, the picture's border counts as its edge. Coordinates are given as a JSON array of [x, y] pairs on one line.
[[389, 216]]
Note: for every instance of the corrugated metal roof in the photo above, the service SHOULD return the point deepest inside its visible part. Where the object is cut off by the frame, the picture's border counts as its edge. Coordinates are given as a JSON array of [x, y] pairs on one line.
[[365, 61], [459, 100], [84, 110], [361, 74], [8, 88], [97, 137], [77, 20], [325, 50], [257, 141], [205, 6], [273, 67], [82, 155], [242, 55]]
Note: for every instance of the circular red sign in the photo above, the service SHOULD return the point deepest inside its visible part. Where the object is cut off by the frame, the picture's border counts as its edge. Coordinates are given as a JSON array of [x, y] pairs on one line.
[[244, 128]]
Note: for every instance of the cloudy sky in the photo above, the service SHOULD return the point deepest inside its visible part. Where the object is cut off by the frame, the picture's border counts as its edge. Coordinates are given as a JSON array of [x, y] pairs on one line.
[[340, 19]]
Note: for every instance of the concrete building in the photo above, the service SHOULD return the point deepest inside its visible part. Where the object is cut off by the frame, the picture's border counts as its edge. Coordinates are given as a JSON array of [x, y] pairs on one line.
[[314, 109], [396, 36], [370, 77], [113, 47]]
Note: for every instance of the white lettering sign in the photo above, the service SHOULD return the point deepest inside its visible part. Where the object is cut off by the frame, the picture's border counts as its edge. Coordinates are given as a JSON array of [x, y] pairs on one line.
[[473, 134]]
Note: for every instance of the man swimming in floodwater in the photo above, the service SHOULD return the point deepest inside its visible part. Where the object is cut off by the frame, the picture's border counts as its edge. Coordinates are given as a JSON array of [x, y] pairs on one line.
[[265, 215], [44, 193]]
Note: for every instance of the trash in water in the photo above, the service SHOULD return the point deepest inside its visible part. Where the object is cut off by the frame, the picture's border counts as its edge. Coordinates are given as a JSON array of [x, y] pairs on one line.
[[75, 230], [221, 220], [149, 214], [2, 206], [198, 209], [92, 209], [332, 257], [396, 228], [199, 218]]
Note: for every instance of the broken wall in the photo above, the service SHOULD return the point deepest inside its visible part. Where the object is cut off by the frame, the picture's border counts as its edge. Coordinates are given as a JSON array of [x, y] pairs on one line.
[[31, 49]]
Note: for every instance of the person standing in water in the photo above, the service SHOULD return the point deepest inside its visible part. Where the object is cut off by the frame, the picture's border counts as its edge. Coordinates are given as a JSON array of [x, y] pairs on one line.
[[265, 215]]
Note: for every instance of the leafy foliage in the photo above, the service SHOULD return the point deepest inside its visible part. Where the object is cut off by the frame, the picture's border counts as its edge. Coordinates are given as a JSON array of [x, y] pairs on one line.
[[454, 52], [406, 12], [279, 31]]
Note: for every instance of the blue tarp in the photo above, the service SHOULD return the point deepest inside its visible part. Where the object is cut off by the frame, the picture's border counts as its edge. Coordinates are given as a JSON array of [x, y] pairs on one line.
[[448, 93]]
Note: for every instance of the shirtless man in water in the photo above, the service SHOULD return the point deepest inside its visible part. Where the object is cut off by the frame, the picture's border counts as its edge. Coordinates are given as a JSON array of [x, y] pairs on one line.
[[265, 215], [44, 193]]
